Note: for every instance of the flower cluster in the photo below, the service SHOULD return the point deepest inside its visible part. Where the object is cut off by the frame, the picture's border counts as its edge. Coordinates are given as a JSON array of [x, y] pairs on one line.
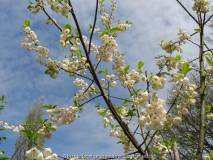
[[158, 82], [168, 61], [46, 132], [163, 150], [82, 86], [103, 52], [63, 9], [183, 36], [54, 68], [64, 116], [170, 47], [201, 6], [209, 80], [34, 153], [39, 49], [74, 65], [16, 129]]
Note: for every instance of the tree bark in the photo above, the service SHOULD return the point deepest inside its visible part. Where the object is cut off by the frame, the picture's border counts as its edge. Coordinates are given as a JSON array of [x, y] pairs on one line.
[[202, 95]]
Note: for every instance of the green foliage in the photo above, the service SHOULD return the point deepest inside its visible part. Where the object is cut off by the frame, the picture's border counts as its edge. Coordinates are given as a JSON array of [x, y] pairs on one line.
[[113, 30], [50, 106], [197, 30], [211, 155], [103, 72], [126, 69], [140, 64], [26, 24], [68, 26], [186, 68]]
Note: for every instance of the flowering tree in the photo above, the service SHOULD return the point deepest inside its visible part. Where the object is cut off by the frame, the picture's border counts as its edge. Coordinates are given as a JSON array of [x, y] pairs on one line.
[[144, 104]]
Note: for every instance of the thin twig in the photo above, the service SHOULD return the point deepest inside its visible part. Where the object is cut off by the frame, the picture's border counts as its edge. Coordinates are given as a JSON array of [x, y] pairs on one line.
[[52, 20], [187, 12], [208, 19], [120, 98], [78, 74], [90, 41]]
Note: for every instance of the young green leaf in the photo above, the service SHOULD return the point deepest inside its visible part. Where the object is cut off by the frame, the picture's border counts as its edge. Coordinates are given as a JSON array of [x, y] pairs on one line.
[[126, 69], [140, 64], [113, 30], [102, 34], [36, 136], [27, 132], [27, 23], [197, 30], [178, 57], [68, 26], [175, 140]]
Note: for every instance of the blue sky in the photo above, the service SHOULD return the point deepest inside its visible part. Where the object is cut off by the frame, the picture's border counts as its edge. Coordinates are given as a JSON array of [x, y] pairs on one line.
[[22, 79]]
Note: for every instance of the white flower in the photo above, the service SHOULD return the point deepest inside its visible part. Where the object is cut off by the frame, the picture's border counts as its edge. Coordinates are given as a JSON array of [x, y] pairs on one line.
[[1, 154], [27, 29], [185, 111], [54, 156], [142, 121], [47, 152], [177, 120]]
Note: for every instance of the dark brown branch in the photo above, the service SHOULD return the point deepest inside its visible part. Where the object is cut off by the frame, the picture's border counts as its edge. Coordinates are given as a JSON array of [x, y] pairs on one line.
[[106, 99]]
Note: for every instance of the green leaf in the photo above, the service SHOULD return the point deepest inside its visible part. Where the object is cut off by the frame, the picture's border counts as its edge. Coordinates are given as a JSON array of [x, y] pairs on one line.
[[101, 72], [197, 30], [1, 129], [178, 57], [75, 102], [208, 59], [79, 53], [112, 126], [36, 136], [106, 71], [207, 124], [208, 108], [211, 154], [47, 71], [102, 34], [27, 132], [107, 28], [186, 68], [126, 69], [4, 158], [166, 73], [175, 140], [166, 142], [68, 26], [118, 142], [27, 23], [130, 112], [98, 106], [140, 64], [116, 30], [48, 107], [164, 149], [132, 94], [180, 76], [55, 105]]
